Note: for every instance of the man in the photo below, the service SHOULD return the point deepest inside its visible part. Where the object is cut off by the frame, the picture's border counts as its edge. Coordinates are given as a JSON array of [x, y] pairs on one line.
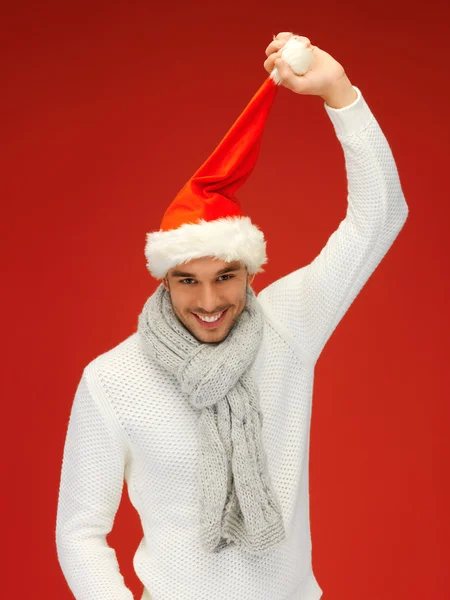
[[205, 410]]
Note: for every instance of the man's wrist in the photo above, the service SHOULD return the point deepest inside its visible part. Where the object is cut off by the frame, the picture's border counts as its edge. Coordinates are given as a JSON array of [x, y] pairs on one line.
[[340, 94]]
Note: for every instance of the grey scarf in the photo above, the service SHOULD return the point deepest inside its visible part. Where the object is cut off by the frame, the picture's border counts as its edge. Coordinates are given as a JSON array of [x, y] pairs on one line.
[[237, 502]]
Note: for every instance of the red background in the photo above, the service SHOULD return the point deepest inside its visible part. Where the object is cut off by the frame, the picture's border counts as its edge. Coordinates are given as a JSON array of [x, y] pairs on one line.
[[107, 109]]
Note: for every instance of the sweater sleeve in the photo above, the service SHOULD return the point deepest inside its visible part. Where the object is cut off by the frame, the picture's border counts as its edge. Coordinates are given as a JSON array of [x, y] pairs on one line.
[[310, 302], [91, 484]]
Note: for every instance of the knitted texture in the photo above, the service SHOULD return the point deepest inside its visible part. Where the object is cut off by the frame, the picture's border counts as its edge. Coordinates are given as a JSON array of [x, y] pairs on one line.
[[131, 420], [237, 502]]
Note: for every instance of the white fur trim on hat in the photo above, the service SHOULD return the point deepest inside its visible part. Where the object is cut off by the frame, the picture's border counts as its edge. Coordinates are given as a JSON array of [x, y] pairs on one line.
[[227, 238]]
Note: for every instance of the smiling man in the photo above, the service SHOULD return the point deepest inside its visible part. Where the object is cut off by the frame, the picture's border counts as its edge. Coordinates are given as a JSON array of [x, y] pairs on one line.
[[205, 410], [209, 296]]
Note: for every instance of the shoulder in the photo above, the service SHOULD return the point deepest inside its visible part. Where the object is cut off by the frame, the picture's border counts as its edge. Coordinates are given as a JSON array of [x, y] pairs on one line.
[[114, 380], [119, 368], [279, 302], [117, 357]]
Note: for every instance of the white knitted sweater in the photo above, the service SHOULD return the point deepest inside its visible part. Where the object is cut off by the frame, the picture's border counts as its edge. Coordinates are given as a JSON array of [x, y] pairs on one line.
[[130, 421]]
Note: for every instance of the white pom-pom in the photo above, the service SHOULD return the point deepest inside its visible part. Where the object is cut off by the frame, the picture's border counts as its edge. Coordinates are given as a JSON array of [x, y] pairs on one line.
[[297, 55]]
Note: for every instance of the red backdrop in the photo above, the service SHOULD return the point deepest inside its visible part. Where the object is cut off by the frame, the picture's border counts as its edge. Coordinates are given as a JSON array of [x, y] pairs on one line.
[[107, 109]]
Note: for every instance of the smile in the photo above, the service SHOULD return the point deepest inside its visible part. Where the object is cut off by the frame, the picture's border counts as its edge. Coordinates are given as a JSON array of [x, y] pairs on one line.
[[213, 321]]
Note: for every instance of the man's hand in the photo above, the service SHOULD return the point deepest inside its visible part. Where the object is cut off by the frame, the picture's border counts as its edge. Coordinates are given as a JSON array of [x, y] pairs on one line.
[[326, 78]]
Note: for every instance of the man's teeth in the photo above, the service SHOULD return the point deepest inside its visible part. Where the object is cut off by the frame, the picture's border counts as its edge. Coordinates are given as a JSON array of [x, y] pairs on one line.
[[210, 319]]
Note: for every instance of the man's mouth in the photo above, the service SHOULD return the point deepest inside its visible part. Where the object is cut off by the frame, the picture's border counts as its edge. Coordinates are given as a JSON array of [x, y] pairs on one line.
[[211, 321]]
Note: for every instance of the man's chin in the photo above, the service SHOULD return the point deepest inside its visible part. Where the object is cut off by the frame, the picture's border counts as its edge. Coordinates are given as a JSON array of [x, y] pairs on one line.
[[211, 337]]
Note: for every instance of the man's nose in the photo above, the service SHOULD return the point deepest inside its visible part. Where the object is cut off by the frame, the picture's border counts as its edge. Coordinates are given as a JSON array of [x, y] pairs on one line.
[[208, 299]]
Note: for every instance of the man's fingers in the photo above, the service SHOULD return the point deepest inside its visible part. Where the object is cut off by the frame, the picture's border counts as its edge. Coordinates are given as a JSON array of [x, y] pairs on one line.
[[273, 53], [269, 63], [274, 46], [302, 38], [283, 35], [288, 77], [277, 43]]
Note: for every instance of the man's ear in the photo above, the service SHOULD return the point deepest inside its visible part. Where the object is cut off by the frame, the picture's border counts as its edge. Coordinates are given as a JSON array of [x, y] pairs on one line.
[[251, 278], [166, 283]]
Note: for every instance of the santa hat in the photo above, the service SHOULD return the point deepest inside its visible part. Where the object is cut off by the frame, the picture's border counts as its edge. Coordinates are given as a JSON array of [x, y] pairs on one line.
[[206, 218]]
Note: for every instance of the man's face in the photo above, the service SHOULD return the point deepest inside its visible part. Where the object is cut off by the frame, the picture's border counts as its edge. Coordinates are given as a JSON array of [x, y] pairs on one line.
[[207, 287]]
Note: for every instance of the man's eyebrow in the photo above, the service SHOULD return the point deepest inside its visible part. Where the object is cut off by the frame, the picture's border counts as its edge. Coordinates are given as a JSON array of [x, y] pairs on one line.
[[176, 273]]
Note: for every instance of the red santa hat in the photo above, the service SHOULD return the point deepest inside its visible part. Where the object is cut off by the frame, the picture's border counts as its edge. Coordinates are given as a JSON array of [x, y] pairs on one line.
[[206, 218]]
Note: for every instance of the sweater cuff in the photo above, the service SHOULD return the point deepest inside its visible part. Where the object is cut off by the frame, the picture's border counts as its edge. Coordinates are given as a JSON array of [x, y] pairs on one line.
[[350, 119]]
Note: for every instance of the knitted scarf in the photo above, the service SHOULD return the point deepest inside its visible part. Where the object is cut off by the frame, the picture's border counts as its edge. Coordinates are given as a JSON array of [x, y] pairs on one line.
[[237, 502]]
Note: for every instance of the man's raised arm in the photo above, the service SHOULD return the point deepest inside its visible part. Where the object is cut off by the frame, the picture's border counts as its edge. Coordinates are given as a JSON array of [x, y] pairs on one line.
[[312, 300]]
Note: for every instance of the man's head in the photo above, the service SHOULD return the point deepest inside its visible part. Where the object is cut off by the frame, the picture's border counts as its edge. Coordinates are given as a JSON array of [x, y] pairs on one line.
[[208, 287], [205, 219]]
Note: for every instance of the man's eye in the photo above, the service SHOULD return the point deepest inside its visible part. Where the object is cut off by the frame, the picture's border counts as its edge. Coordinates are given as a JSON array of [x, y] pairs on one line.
[[190, 279]]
